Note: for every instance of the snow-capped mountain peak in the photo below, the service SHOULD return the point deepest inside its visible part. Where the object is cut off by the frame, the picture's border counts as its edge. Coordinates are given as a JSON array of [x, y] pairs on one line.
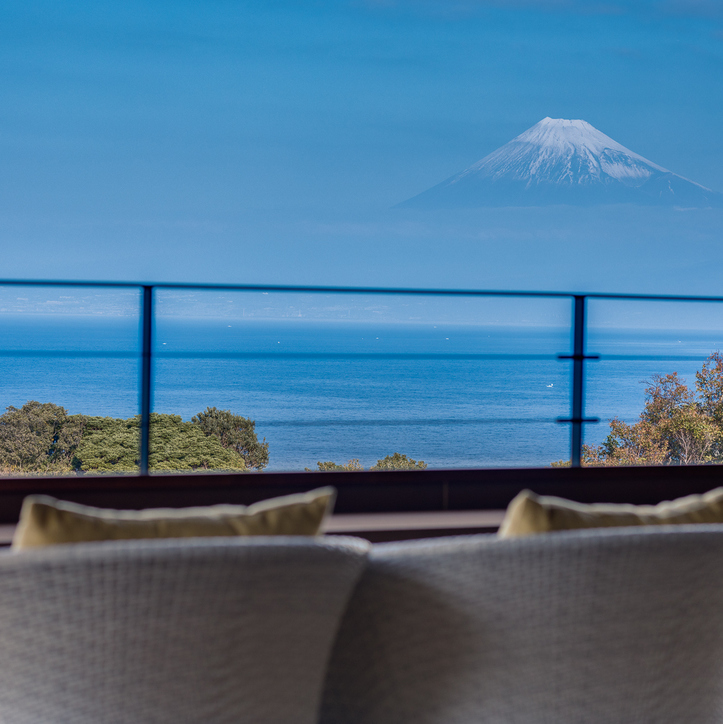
[[561, 135], [565, 161]]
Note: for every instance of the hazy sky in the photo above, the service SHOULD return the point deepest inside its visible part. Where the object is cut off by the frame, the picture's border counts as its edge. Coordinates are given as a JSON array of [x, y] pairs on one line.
[[267, 142]]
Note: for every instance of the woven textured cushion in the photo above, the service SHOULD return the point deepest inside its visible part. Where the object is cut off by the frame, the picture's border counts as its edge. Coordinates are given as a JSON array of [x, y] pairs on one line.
[[618, 626], [46, 521], [529, 514], [196, 631]]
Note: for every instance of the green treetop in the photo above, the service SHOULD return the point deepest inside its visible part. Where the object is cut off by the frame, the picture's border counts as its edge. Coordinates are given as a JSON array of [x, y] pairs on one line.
[[390, 462], [111, 445], [330, 466], [43, 438], [398, 462], [235, 433], [38, 437]]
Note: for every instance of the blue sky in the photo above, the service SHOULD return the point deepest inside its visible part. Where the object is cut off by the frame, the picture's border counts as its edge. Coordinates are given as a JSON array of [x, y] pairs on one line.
[[267, 142]]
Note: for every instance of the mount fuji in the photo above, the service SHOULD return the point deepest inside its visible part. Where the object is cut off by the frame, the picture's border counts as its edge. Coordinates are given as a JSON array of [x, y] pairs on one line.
[[560, 161]]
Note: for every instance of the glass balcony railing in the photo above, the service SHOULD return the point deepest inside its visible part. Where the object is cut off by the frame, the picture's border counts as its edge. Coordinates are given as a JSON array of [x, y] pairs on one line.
[[128, 378]]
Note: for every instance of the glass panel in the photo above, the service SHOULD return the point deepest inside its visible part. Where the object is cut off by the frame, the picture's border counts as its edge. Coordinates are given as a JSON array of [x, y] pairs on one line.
[[334, 378], [645, 388], [68, 359]]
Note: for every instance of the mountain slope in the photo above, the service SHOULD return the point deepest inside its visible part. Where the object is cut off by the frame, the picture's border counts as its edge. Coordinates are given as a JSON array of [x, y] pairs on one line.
[[560, 161]]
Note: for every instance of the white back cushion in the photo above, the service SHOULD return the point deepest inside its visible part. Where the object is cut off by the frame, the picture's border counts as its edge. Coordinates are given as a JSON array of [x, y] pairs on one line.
[[616, 626]]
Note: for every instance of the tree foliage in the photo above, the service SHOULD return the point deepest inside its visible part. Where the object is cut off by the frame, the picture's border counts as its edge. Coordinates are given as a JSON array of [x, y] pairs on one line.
[[39, 437], [390, 462], [43, 438], [111, 445], [330, 466], [678, 425], [398, 462], [236, 433]]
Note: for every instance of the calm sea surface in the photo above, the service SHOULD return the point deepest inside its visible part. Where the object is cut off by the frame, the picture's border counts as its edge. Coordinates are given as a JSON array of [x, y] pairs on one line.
[[453, 396]]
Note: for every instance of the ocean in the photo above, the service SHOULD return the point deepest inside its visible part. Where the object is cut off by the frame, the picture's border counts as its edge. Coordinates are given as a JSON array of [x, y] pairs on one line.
[[450, 395]]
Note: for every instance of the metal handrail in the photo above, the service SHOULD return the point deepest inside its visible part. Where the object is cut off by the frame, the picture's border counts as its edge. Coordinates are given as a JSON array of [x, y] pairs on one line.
[[578, 357], [358, 290]]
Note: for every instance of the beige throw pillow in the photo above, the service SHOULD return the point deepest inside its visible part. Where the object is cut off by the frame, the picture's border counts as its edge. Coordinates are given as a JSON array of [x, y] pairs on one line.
[[529, 514], [46, 521]]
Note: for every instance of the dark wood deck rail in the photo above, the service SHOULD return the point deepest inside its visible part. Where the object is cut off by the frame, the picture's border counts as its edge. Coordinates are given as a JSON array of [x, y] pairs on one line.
[[370, 492]]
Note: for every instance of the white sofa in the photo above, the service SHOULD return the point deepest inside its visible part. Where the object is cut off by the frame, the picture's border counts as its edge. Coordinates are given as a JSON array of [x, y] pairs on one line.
[[202, 630], [612, 626]]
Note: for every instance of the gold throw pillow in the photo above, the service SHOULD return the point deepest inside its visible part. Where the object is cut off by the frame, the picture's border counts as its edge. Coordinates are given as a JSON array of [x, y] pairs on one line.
[[529, 513], [46, 521]]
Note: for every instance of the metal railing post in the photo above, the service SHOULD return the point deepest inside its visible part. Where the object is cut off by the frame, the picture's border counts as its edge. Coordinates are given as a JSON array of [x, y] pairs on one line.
[[578, 358], [578, 381], [146, 372]]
